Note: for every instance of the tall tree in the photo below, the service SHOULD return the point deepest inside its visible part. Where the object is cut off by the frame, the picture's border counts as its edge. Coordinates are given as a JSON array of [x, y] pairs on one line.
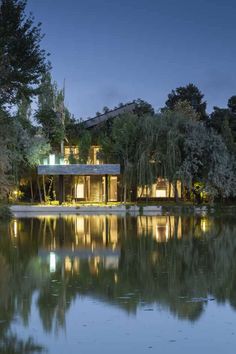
[[223, 120], [142, 108], [22, 61], [50, 113], [192, 95]]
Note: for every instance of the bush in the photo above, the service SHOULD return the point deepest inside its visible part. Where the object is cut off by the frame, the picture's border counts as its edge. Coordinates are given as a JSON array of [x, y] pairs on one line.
[[5, 212]]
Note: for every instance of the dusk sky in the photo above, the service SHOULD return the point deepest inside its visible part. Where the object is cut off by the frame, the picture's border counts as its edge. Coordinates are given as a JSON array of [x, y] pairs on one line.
[[117, 51]]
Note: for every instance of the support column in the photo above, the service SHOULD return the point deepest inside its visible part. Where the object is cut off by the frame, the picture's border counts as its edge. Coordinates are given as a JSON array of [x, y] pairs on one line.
[[61, 189], [106, 189]]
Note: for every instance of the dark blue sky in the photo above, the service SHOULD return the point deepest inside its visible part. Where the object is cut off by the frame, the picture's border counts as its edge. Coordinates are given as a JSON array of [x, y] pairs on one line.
[[116, 51]]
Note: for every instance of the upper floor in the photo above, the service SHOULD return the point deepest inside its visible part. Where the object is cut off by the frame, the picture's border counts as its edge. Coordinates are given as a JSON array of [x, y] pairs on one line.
[[71, 153]]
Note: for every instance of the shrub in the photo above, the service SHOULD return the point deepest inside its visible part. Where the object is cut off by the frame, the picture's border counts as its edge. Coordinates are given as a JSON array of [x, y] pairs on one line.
[[5, 212]]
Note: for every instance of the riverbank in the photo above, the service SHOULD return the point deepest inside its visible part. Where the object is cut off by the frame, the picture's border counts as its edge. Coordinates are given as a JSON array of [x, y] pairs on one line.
[[29, 210]]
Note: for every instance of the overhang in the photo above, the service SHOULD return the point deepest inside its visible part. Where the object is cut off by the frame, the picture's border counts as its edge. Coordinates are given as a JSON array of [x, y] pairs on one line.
[[79, 169]]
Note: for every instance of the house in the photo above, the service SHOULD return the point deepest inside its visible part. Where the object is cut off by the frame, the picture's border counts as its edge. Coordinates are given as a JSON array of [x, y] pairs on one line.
[[96, 181]]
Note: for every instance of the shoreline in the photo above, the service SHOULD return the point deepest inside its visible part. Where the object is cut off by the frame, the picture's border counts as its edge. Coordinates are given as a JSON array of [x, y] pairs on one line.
[[33, 210], [59, 210]]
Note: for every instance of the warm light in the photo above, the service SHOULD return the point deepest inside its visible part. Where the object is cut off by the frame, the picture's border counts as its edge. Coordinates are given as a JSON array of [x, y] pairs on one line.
[[157, 233], [15, 228], [111, 262], [204, 225], [115, 278], [76, 265], [167, 232], [161, 193], [52, 262], [52, 159], [68, 264]]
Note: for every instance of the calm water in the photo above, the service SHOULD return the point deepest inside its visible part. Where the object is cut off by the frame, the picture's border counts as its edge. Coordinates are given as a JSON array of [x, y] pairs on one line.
[[110, 284]]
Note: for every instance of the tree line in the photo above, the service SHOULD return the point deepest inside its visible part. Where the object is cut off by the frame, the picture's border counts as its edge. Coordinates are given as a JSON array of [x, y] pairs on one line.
[[179, 142]]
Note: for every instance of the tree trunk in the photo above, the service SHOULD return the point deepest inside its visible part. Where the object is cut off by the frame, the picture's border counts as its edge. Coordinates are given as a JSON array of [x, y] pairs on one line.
[[146, 194], [44, 189], [169, 191], [31, 190], [39, 190], [176, 192], [125, 193]]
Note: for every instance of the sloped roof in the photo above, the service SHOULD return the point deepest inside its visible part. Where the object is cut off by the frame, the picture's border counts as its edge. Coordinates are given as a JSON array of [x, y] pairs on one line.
[[92, 122]]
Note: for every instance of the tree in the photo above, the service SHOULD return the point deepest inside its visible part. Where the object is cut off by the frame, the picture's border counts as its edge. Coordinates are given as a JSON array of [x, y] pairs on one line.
[[105, 109], [121, 146], [192, 95], [142, 108], [84, 147], [223, 120], [232, 104], [207, 160], [22, 61], [4, 168], [50, 114], [172, 125]]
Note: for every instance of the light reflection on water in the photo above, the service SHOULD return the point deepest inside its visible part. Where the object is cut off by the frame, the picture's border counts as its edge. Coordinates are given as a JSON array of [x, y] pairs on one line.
[[144, 282]]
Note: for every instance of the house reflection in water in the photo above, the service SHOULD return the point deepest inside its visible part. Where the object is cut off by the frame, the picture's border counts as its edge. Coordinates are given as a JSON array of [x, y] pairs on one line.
[[162, 228], [96, 239], [93, 239], [95, 230]]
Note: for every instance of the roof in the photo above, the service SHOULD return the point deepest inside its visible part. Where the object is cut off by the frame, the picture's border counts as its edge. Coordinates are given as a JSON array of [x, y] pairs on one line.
[[90, 123], [79, 169]]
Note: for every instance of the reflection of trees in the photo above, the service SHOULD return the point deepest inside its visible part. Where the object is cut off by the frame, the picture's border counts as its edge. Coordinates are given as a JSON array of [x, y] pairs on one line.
[[180, 274], [15, 295], [10, 344]]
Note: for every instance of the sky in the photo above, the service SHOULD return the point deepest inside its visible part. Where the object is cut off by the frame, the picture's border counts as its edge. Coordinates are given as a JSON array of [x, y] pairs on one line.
[[116, 51]]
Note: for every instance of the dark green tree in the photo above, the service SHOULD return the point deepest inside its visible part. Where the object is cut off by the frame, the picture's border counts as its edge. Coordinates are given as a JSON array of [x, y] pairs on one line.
[[232, 104], [192, 95], [142, 108], [22, 61], [49, 114]]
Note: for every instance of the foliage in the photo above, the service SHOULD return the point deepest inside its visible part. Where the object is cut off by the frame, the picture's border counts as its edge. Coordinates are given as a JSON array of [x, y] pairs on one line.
[[22, 61], [121, 146], [223, 120], [84, 147], [5, 212], [208, 160], [6, 181], [192, 95], [49, 113], [37, 149], [142, 108]]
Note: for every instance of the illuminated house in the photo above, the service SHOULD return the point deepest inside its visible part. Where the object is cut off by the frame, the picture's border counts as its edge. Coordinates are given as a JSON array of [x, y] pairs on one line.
[[96, 181]]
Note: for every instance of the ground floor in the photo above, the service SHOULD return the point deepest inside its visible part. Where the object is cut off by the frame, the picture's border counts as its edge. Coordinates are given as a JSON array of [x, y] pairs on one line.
[[102, 183], [107, 188], [162, 188]]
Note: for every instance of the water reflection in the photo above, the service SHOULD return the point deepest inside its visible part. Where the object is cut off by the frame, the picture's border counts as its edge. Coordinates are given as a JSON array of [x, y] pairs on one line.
[[179, 263]]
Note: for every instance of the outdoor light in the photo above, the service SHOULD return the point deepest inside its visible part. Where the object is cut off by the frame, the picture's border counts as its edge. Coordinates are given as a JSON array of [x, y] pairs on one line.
[[61, 161], [15, 228], [45, 161], [52, 159], [52, 262]]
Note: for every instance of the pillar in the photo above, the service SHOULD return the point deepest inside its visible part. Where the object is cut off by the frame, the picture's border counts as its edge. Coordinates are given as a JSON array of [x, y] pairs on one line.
[[61, 189], [106, 189]]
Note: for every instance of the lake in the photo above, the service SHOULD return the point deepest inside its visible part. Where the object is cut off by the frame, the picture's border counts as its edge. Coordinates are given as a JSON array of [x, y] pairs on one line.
[[116, 284]]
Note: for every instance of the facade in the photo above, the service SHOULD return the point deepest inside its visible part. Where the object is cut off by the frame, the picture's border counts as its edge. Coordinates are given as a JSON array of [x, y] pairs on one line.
[[96, 181], [83, 182]]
